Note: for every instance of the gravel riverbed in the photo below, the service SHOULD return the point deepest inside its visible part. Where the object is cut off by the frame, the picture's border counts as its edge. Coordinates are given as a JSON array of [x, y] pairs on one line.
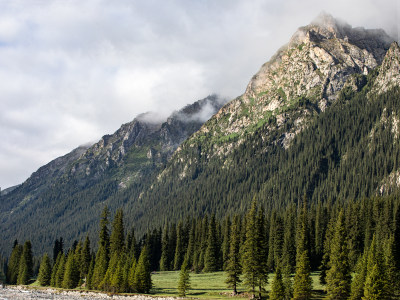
[[21, 292]]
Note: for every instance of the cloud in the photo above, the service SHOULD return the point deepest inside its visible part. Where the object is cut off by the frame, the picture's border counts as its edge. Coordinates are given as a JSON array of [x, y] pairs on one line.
[[72, 71]]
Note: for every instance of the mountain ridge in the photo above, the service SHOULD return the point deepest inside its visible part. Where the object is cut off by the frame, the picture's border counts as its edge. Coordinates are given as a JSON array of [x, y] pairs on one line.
[[288, 135]]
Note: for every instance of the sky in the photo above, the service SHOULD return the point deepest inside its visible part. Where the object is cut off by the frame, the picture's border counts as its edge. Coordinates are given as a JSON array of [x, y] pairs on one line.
[[72, 71]]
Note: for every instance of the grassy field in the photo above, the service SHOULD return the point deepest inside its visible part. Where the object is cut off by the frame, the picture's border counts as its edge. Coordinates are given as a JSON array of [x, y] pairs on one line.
[[210, 285]]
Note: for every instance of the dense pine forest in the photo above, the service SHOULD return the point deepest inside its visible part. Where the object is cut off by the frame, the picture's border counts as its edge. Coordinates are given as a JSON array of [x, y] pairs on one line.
[[355, 245]]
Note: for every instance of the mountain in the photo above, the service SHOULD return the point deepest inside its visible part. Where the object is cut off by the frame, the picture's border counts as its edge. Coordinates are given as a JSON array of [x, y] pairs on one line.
[[65, 196], [303, 126], [320, 118]]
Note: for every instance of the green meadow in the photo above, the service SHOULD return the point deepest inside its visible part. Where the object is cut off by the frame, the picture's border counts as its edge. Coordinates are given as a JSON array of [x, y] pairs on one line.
[[211, 286]]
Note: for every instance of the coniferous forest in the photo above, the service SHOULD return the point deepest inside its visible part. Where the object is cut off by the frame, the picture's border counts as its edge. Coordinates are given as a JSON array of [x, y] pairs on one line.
[[355, 245]]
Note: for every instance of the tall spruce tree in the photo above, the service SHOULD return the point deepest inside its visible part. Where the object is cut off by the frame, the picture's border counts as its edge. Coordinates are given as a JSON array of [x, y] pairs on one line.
[[164, 261], [86, 258], [117, 233], [391, 272], [211, 258], [278, 288], [375, 283], [254, 257], [302, 285], [44, 276], [71, 273], [60, 271], [184, 279], [339, 275], [142, 278], [13, 263], [25, 270], [103, 253], [357, 285], [180, 247], [234, 266]]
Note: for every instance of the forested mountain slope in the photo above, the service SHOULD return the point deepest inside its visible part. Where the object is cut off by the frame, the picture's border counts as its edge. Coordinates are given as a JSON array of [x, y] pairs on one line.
[[64, 197], [321, 118]]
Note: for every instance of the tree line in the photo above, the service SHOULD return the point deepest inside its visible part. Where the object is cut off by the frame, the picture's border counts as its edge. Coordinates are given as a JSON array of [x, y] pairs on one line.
[[359, 238]]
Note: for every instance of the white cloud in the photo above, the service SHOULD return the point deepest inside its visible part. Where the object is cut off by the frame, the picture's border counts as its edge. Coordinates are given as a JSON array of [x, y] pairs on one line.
[[71, 71]]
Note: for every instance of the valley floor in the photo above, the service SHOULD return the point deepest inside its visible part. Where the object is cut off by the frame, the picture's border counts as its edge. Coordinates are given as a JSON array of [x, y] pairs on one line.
[[203, 286]]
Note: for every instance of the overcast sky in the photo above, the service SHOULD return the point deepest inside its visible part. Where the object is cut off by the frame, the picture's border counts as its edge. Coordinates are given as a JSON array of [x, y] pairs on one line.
[[72, 70]]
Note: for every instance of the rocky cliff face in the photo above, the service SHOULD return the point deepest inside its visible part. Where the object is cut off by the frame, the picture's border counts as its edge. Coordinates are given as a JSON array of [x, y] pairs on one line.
[[301, 80], [144, 142], [389, 71]]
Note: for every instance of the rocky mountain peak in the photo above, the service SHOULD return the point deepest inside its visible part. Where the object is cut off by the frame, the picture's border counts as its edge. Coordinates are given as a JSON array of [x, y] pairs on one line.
[[389, 71], [311, 69]]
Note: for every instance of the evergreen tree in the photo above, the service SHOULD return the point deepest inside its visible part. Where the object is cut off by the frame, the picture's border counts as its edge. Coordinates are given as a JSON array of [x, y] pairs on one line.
[[338, 276], [375, 283], [189, 256], [302, 286], [357, 285], [391, 272], [234, 266], [103, 253], [254, 256], [71, 273], [85, 258], [13, 264], [25, 270], [226, 242], [184, 280], [44, 276], [142, 277], [58, 247], [90, 275], [131, 276], [278, 288], [54, 270], [397, 239], [212, 251], [164, 261], [60, 271], [117, 233], [180, 247]]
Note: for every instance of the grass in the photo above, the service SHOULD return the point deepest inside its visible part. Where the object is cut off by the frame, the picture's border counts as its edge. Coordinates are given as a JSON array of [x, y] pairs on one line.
[[204, 286], [211, 286]]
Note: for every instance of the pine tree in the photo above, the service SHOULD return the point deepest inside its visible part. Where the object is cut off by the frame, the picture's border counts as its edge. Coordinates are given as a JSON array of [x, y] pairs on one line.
[[234, 266], [338, 276], [211, 257], [90, 275], [226, 242], [375, 283], [254, 252], [117, 233], [25, 270], [103, 253], [60, 271], [278, 288], [357, 285], [180, 248], [131, 276], [397, 239], [302, 285], [13, 264], [391, 272], [164, 262], [117, 282], [85, 258], [184, 280], [54, 270], [142, 278], [44, 276], [71, 273]]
